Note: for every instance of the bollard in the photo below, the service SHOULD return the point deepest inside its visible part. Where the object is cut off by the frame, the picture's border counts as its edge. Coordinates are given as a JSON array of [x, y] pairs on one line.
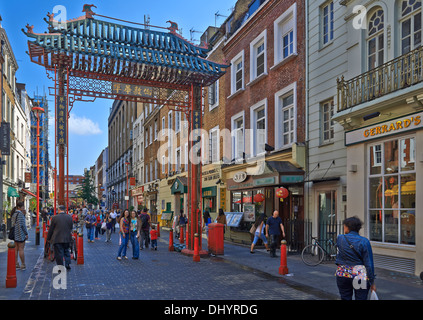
[[181, 234], [44, 229], [37, 235], [158, 229], [283, 269], [80, 258], [11, 281], [171, 240], [196, 256]]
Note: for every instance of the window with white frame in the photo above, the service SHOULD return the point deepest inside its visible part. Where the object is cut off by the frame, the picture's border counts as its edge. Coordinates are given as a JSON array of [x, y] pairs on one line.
[[285, 42], [214, 95], [392, 191], [237, 73], [258, 125], [156, 129], [178, 160], [177, 121], [327, 124], [186, 158], [163, 164], [285, 113], [258, 50], [327, 22], [410, 25], [375, 40], [214, 145], [238, 128], [151, 134]]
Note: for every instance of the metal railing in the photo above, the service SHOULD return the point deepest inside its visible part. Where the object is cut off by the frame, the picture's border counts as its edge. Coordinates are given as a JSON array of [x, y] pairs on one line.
[[397, 74]]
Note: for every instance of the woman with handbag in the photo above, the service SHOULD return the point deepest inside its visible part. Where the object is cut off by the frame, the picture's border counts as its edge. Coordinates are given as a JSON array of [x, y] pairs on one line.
[[355, 272], [20, 233]]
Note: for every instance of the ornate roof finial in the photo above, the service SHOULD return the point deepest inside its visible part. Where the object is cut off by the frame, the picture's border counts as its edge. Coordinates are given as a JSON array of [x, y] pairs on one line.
[[89, 13], [173, 27]]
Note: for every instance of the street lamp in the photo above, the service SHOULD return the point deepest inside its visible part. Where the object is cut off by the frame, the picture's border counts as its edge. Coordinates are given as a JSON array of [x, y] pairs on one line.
[[37, 111], [127, 185]]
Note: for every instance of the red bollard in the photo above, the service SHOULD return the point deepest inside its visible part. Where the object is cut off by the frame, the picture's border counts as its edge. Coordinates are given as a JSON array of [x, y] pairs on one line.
[[283, 269], [11, 281], [80, 258], [44, 229], [171, 240], [158, 229], [181, 234], [196, 256]]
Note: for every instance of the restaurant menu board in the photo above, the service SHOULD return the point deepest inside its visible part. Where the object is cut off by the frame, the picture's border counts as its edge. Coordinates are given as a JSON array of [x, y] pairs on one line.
[[249, 212], [233, 219]]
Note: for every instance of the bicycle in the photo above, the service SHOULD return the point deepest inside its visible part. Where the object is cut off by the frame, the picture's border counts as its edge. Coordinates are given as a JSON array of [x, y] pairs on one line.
[[314, 253]]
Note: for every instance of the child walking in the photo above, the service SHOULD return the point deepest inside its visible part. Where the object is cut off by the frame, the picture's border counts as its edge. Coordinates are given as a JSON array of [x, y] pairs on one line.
[[153, 236]]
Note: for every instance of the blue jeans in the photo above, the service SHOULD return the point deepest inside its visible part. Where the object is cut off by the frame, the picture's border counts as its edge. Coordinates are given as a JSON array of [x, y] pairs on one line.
[[135, 245], [346, 289], [90, 234], [123, 244]]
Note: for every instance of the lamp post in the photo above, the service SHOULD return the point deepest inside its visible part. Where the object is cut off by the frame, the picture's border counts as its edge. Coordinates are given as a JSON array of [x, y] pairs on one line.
[[127, 185], [37, 111]]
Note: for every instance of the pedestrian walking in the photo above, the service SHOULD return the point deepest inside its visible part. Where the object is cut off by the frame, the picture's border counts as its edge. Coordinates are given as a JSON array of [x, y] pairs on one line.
[[124, 225], [355, 272], [221, 218], [20, 233], [60, 235], [274, 227], [97, 224], [154, 235], [145, 229], [113, 215], [134, 234], [109, 225], [258, 232], [90, 222], [207, 221]]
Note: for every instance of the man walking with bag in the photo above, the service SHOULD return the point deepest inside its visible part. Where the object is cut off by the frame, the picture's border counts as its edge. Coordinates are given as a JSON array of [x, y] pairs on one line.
[[60, 235]]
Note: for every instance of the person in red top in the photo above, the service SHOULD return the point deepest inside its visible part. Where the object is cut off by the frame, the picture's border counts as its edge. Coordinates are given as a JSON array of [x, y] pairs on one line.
[[153, 237]]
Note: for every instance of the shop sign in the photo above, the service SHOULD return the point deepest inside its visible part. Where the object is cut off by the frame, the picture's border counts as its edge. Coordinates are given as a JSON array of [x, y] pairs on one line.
[[240, 177], [398, 125], [265, 181], [209, 192], [292, 179]]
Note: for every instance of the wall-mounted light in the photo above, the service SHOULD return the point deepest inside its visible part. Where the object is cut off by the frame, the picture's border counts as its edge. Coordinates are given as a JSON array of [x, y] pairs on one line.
[[353, 168], [371, 116]]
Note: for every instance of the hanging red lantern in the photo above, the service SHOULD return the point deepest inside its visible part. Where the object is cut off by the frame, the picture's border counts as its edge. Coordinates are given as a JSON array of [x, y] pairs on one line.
[[282, 193], [259, 197]]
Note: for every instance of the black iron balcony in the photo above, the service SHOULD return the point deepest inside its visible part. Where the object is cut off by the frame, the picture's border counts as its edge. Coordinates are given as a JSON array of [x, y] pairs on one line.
[[397, 74]]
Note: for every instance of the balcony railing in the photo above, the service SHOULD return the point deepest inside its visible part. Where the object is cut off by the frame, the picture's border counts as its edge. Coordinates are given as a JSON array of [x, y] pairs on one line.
[[397, 74]]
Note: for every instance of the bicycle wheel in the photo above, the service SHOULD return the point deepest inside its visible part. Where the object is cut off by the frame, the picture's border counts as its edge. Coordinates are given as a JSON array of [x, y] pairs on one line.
[[312, 255]]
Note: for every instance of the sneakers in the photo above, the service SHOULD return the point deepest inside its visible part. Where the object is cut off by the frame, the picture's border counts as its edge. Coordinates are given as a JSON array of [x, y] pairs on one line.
[[23, 267]]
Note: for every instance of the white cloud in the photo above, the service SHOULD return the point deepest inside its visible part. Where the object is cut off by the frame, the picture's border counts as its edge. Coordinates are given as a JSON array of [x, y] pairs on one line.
[[83, 126]]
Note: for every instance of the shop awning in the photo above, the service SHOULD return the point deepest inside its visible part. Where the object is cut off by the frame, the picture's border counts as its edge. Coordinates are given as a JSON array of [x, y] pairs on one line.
[[179, 185], [282, 167], [12, 192], [30, 193]]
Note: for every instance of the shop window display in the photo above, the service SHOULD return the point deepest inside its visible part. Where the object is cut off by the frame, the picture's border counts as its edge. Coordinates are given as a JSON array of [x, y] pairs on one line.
[[392, 191]]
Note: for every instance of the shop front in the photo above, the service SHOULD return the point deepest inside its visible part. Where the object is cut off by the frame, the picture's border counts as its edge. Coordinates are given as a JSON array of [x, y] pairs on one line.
[[138, 197], [255, 191], [385, 177]]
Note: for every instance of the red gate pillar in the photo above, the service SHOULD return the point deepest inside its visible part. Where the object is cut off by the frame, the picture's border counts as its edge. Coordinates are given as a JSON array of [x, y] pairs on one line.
[[194, 171]]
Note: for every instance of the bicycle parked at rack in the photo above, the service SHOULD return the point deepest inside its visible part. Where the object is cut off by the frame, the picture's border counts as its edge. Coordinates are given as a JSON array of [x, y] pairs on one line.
[[318, 250]]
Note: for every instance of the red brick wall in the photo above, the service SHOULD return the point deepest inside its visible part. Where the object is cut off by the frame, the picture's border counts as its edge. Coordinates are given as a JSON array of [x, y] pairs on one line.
[[277, 78]]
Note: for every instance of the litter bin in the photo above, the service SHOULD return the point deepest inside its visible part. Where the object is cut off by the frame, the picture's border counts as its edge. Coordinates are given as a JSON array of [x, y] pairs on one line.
[[215, 240]]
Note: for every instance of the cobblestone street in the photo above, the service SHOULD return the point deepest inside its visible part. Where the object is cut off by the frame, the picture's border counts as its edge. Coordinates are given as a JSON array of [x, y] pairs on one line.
[[157, 275]]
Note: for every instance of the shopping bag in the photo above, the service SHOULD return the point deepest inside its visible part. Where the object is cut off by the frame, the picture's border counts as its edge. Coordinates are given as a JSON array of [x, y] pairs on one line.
[[373, 295]]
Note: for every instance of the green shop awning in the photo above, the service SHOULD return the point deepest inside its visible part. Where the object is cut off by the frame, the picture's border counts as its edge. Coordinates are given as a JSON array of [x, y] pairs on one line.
[[179, 185], [12, 192]]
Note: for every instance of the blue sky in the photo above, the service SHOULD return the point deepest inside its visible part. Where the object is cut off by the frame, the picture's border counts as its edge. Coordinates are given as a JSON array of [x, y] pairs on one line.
[[88, 123]]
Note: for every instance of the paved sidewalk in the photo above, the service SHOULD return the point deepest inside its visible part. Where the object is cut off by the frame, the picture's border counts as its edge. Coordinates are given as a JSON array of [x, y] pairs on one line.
[[303, 281], [390, 285]]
